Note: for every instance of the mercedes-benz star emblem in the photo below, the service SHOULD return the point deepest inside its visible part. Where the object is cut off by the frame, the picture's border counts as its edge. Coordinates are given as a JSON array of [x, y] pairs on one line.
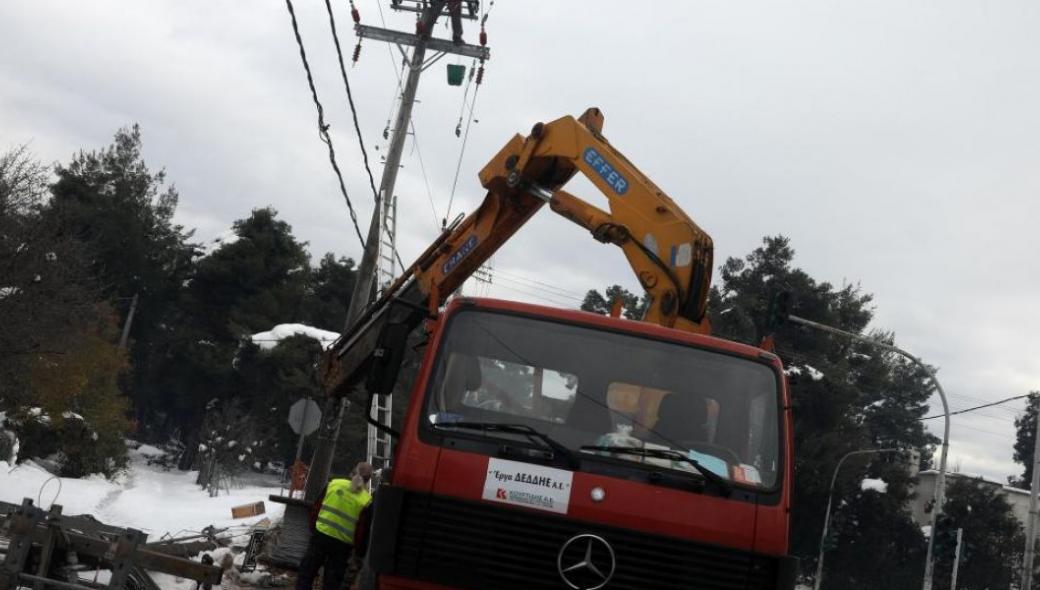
[[586, 562]]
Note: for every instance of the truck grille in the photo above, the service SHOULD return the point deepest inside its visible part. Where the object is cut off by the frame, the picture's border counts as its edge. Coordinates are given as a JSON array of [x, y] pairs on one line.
[[478, 546]]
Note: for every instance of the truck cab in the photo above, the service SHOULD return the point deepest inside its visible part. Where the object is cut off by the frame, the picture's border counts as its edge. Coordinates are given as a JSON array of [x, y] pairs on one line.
[[548, 448]]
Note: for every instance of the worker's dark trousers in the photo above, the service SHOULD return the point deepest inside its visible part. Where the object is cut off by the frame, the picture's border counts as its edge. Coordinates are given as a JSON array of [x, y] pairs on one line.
[[324, 552]]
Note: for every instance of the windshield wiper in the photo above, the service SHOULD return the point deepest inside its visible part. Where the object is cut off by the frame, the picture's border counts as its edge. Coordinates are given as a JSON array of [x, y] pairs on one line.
[[523, 429], [709, 475]]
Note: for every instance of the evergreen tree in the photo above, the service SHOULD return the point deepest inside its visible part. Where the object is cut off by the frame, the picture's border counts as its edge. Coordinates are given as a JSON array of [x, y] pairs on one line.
[[991, 547], [245, 286], [44, 286], [59, 363], [123, 214], [1025, 440], [331, 287], [631, 304], [251, 284], [846, 397], [269, 382]]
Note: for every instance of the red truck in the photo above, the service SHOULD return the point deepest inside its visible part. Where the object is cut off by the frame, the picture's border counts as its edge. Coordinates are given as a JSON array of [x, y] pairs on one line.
[[550, 448]]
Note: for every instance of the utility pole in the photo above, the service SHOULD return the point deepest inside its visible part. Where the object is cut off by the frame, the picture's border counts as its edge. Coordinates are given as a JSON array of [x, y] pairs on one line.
[[1027, 557], [380, 244], [417, 64], [940, 482]]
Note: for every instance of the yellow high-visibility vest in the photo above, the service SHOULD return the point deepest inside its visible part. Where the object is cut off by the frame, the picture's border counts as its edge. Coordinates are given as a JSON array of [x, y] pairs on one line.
[[340, 509]]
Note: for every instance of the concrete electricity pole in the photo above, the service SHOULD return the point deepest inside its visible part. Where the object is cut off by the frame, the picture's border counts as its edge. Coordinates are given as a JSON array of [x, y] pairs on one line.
[[940, 482], [1027, 558], [382, 215]]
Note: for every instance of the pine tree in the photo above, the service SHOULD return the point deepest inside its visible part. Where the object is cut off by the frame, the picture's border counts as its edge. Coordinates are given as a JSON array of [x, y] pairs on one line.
[[991, 550], [1025, 439], [631, 304], [122, 213], [252, 284], [846, 397], [329, 293], [245, 286]]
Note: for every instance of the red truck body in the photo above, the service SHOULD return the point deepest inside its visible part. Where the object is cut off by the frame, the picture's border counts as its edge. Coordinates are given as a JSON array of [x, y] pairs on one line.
[[434, 528]]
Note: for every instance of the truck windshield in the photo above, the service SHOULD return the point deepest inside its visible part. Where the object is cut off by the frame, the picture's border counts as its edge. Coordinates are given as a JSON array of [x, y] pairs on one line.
[[589, 387]]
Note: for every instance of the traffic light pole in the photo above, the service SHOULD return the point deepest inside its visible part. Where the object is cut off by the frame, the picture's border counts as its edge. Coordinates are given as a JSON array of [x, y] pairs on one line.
[[830, 499], [940, 482]]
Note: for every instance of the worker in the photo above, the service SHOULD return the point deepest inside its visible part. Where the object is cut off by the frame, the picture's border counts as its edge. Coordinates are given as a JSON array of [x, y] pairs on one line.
[[334, 518], [455, 11]]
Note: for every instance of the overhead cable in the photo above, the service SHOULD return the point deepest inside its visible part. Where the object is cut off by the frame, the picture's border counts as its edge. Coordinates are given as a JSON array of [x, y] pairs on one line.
[[353, 114], [966, 410], [462, 152], [323, 128]]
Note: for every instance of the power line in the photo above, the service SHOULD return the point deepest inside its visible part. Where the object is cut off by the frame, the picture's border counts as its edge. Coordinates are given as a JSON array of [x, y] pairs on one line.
[[1012, 411], [567, 292], [426, 179], [483, 22], [990, 432], [462, 150], [540, 296], [323, 128], [529, 285], [350, 98], [879, 390], [966, 410], [353, 114]]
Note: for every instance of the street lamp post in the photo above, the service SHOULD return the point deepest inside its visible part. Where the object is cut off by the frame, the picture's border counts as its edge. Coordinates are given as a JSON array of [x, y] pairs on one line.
[[830, 498], [940, 482]]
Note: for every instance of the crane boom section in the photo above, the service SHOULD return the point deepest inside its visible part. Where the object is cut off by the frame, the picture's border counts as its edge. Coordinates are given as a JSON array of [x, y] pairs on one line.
[[670, 255]]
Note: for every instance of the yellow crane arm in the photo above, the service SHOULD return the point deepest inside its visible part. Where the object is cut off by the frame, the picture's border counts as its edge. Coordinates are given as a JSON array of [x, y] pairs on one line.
[[670, 255]]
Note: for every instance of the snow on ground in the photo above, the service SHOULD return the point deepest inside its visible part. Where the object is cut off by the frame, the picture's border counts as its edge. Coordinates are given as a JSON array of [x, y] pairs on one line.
[[145, 497], [874, 484], [271, 338]]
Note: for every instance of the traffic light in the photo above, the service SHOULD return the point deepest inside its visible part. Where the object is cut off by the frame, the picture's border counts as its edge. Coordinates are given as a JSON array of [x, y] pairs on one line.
[[779, 310]]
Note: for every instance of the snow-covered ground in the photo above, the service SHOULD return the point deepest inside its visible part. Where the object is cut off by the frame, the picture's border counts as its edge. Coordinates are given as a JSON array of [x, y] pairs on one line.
[[145, 497]]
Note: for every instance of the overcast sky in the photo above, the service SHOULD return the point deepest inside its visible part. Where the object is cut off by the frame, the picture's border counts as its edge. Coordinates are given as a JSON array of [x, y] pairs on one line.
[[896, 143]]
